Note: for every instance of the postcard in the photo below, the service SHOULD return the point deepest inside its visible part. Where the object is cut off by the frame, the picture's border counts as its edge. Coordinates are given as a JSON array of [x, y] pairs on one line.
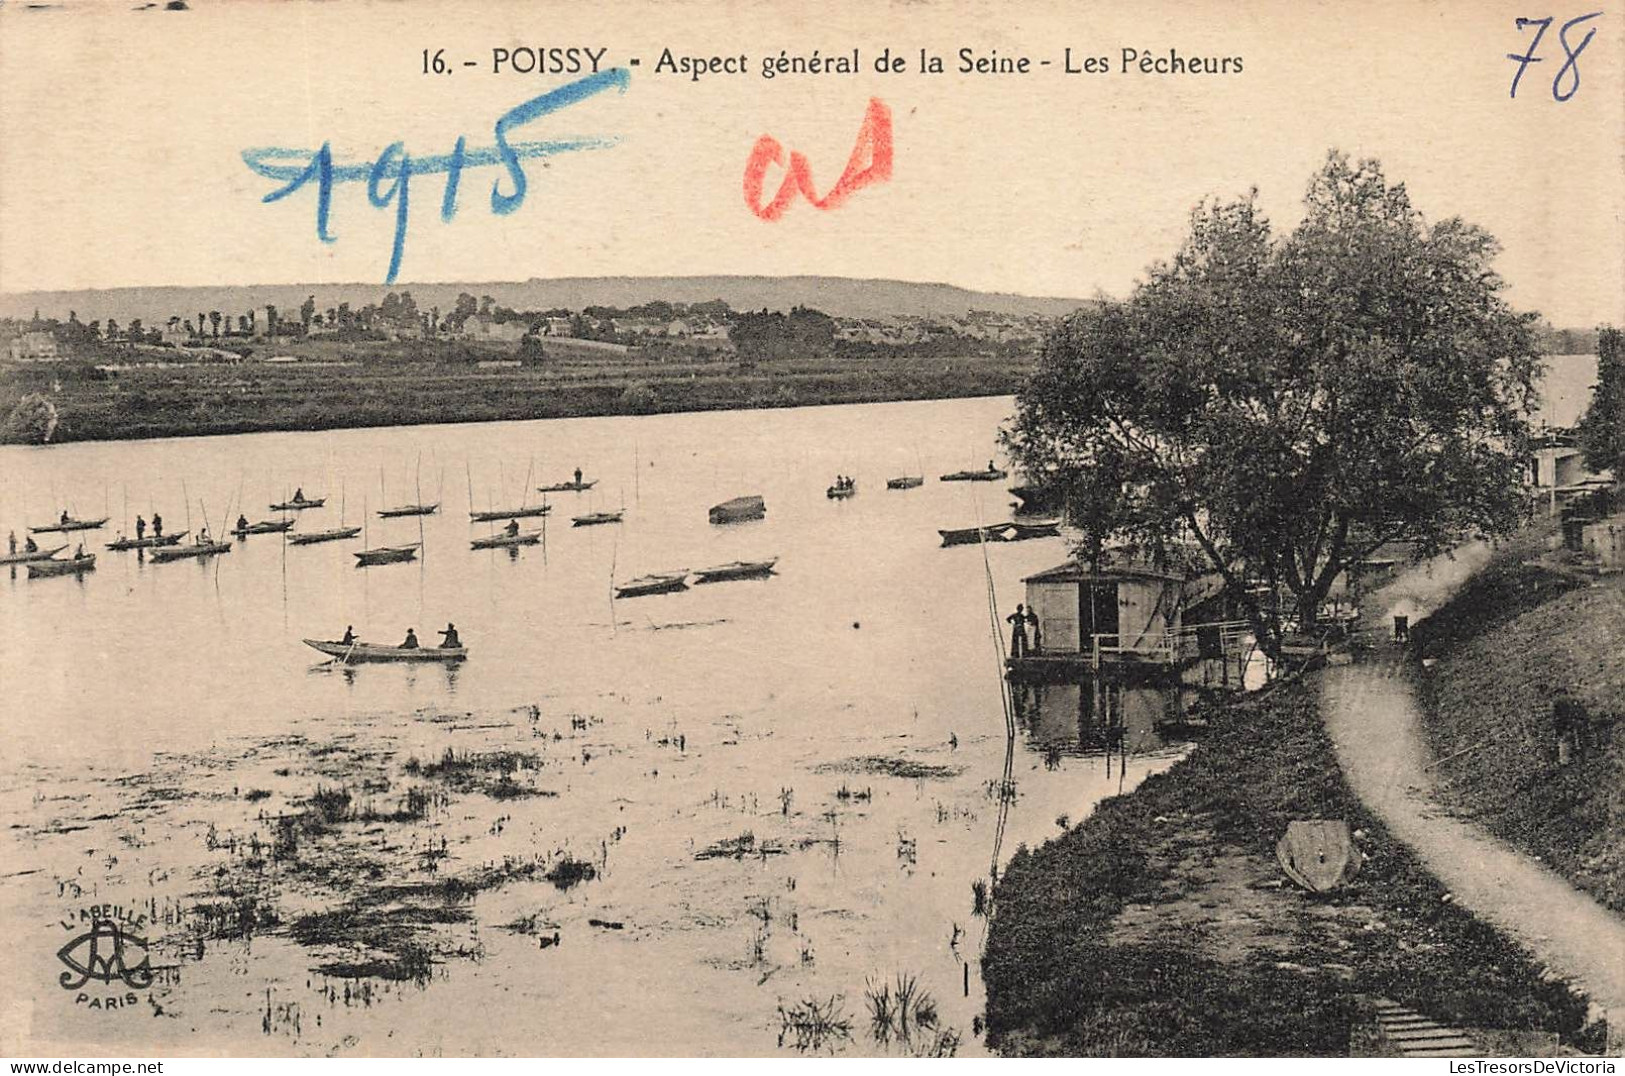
[[737, 529]]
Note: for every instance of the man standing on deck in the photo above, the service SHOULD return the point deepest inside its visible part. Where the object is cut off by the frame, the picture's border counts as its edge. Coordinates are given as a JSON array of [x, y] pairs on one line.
[[1018, 631], [157, 525], [578, 476], [1032, 624], [12, 540], [140, 528]]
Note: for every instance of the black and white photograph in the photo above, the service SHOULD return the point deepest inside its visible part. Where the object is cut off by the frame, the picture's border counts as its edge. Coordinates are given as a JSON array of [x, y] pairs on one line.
[[912, 529]]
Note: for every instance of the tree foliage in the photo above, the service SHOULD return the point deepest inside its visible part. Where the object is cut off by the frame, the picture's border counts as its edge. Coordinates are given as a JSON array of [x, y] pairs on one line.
[[31, 422], [1602, 430], [1276, 407]]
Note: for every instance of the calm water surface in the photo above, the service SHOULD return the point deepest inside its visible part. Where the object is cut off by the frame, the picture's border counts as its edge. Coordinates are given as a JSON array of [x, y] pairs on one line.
[[845, 713]]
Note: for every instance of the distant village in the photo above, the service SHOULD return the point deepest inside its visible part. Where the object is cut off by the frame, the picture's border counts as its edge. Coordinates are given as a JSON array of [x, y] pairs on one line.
[[268, 334]]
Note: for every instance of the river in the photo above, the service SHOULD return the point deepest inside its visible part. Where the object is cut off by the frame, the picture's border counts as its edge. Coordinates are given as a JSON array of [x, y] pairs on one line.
[[785, 789]]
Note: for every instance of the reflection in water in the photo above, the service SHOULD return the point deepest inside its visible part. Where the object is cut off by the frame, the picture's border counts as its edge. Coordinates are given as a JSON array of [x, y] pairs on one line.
[[1096, 715]]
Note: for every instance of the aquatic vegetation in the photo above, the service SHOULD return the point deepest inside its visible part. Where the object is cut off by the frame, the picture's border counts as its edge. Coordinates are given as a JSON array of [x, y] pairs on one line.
[[899, 1009], [234, 917], [812, 1024], [888, 766], [569, 872], [739, 847]]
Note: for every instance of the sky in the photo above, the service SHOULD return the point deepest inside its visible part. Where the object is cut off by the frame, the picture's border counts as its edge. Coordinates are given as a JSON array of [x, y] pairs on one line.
[[123, 133]]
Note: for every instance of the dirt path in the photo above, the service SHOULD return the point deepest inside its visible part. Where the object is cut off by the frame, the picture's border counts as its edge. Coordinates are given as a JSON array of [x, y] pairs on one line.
[[1374, 720]]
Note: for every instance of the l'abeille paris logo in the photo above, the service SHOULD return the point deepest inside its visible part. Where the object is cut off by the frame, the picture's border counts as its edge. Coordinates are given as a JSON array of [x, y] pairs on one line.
[[109, 952]]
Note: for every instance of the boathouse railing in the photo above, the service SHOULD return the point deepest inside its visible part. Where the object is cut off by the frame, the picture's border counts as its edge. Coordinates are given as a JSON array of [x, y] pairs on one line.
[[1171, 647]]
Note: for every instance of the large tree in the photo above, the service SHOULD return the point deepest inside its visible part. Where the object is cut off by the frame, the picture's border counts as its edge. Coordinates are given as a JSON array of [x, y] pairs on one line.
[[1276, 407], [1602, 431]]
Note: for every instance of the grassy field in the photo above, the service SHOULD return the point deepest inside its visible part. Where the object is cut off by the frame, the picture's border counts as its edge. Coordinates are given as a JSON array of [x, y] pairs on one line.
[[387, 385], [1526, 632], [1161, 926]]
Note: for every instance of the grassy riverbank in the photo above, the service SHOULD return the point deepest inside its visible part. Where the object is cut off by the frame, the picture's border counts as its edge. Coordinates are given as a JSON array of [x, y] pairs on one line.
[[1529, 652], [150, 400], [1161, 926]]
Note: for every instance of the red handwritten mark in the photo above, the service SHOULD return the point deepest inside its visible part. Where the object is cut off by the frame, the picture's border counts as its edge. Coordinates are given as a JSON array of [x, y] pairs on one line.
[[874, 146]]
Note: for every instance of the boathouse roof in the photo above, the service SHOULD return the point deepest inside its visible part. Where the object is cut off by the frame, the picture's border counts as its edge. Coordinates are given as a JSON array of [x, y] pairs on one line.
[[1075, 572]]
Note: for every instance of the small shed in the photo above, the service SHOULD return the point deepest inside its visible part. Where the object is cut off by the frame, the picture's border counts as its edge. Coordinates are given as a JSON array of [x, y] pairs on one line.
[[1119, 609]]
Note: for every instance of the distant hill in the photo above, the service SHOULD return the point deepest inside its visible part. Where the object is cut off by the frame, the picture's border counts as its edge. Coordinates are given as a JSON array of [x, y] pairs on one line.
[[840, 296]]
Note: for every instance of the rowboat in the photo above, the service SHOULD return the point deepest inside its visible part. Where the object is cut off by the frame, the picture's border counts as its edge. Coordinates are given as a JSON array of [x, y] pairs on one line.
[[1001, 532], [389, 554], [991, 474], [351, 653], [410, 510], [268, 526], [993, 532], [85, 562], [840, 493], [739, 509], [180, 552], [593, 519], [739, 569], [155, 541], [653, 583], [1040, 528], [298, 505], [908, 481], [568, 487], [333, 535], [38, 554], [491, 515], [504, 541], [70, 525]]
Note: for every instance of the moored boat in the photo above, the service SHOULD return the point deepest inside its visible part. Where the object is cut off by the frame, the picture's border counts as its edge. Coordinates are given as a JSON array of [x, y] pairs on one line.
[[493, 514], [195, 549], [1039, 528], [594, 519], [26, 556], [839, 492], [333, 535], [990, 474], [907, 481], [1001, 532], [739, 569], [351, 653], [993, 532], [152, 541], [391, 554], [739, 510], [568, 487], [653, 583], [267, 526], [409, 510], [504, 541], [299, 505], [70, 524], [84, 562]]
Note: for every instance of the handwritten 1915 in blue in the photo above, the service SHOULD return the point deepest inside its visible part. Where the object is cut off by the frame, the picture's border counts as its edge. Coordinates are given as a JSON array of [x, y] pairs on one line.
[[1571, 62], [389, 177]]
